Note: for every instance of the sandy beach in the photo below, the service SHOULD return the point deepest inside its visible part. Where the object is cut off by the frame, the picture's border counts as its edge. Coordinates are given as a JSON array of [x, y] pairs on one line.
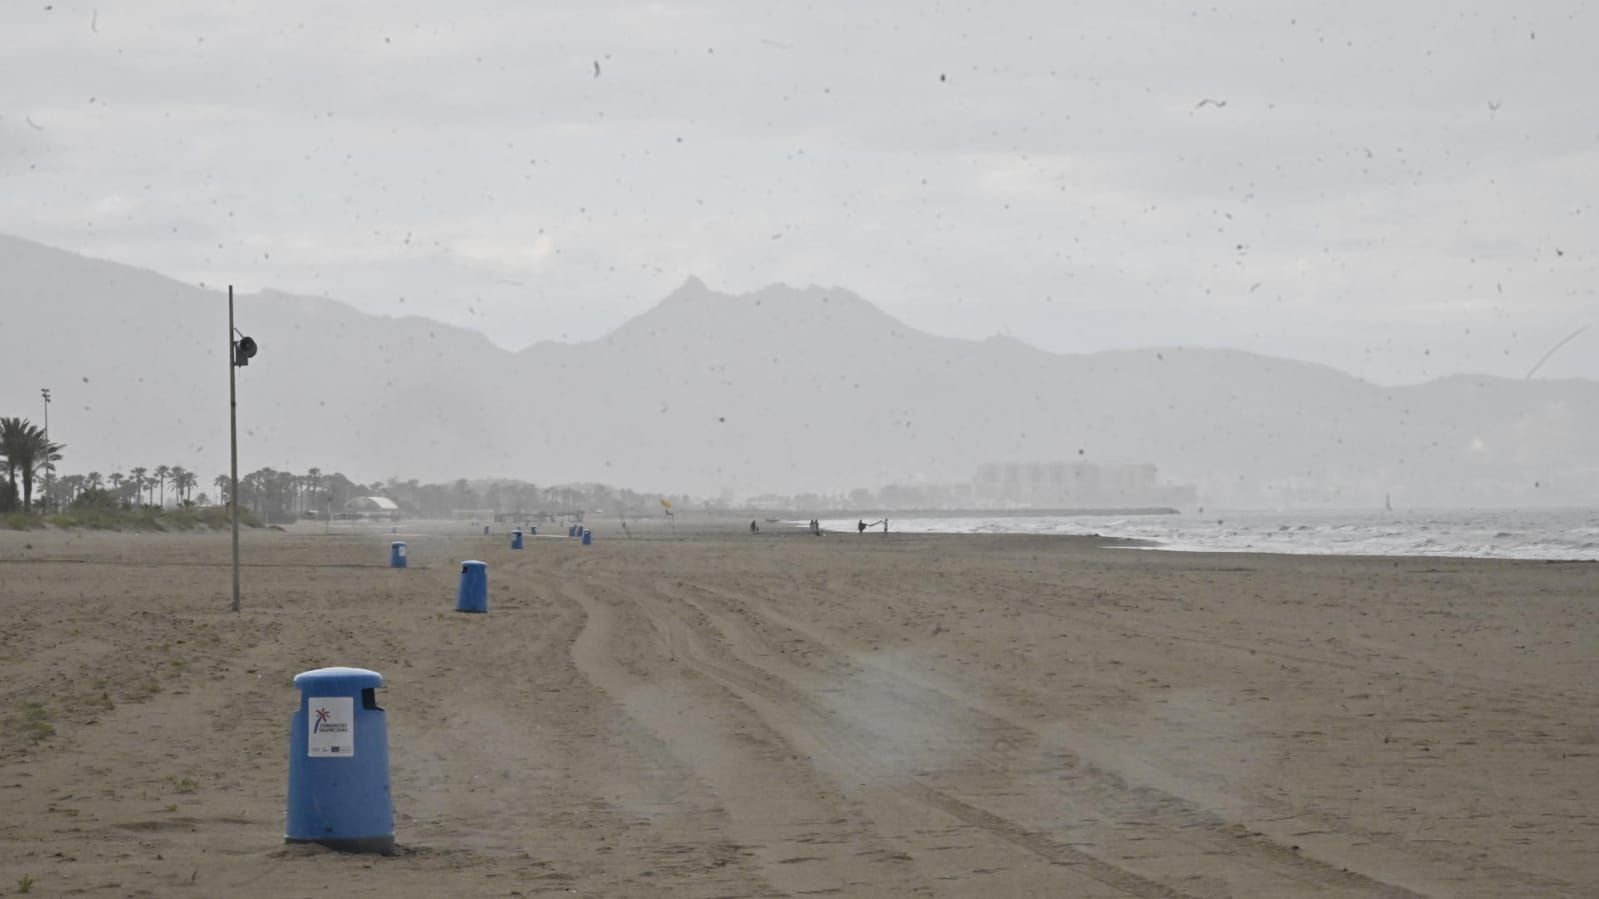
[[723, 714]]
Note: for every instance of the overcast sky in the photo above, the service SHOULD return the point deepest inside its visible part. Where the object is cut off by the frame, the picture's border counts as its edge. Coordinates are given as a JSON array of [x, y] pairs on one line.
[[1399, 189]]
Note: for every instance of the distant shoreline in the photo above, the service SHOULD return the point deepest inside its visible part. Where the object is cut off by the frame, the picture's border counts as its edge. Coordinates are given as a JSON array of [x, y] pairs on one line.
[[986, 513]]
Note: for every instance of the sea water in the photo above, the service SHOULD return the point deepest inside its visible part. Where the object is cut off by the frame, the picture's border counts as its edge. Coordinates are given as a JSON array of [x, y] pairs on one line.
[[1566, 534]]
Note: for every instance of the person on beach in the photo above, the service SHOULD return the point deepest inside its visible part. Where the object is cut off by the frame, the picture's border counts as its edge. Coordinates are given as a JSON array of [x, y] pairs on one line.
[[885, 525], [860, 526], [753, 528]]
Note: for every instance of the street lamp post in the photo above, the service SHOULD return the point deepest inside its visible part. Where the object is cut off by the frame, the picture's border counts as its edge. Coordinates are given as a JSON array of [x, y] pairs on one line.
[[240, 350], [48, 466]]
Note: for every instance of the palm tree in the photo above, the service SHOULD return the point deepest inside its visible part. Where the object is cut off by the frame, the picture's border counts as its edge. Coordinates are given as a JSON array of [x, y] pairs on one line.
[[69, 486], [12, 431], [43, 453], [223, 483], [116, 481], [286, 488], [252, 491], [94, 480], [138, 475], [183, 481], [160, 473], [27, 452], [313, 482]]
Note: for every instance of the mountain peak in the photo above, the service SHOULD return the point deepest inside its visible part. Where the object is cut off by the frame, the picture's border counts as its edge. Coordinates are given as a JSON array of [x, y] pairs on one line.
[[800, 315]]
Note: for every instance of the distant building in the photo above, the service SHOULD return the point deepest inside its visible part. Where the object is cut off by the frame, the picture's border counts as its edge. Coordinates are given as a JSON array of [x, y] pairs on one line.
[[1077, 485], [378, 507]]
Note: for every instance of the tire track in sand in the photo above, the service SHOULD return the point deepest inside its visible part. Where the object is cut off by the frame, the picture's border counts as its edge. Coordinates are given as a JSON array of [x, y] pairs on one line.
[[693, 647], [1449, 871], [1180, 820], [805, 840]]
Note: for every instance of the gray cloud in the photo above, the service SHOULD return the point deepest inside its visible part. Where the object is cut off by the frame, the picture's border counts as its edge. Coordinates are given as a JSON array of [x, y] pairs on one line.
[[1022, 168]]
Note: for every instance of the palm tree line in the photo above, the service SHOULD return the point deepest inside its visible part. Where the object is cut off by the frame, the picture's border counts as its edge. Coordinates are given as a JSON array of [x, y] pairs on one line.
[[27, 456], [281, 496], [273, 496], [140, 487], [276, 496]]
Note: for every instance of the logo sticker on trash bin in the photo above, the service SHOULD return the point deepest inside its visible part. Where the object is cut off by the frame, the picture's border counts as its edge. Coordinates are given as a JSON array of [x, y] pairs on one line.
[[330, 727]]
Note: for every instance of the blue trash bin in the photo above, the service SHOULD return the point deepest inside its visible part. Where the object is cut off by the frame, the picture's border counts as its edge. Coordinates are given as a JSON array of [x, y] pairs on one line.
[[516, 539], [588, 537], [571, 530], [485, 530], [397, 554], [474, 593], [339, 764]]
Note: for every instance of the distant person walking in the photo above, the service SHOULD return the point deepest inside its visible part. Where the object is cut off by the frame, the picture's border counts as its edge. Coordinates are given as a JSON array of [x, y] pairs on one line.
[[753, 528], [860, 526]]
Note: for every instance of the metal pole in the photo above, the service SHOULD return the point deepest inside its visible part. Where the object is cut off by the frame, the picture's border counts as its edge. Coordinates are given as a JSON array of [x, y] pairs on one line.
[[233, 441]]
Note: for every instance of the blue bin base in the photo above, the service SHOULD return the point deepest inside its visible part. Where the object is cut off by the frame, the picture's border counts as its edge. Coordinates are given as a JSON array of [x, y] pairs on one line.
[[361, 845]]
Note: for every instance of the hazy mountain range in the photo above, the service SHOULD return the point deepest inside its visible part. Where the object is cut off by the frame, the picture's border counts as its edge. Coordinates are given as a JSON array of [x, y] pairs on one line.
[[783, 390]]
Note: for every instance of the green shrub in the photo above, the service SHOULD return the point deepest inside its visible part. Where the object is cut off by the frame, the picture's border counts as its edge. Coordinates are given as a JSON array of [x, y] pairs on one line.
[[97, 498], [98, 518]]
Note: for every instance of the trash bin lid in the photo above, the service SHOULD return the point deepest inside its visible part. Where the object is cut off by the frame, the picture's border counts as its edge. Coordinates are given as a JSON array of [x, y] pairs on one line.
[[338, 680], [474, 562]]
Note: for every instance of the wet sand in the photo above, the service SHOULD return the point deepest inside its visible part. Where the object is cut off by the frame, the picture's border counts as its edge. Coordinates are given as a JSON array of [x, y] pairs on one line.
[[727, 714]]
